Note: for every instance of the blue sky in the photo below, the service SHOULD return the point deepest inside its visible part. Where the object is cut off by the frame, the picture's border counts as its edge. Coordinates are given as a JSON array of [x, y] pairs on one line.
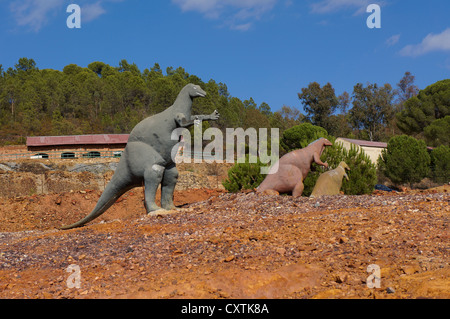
[[265, 49]]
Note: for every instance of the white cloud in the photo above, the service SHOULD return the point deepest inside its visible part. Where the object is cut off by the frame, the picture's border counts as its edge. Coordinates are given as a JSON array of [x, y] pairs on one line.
[[92, 11], [35, 14], [330, 6], [432, 42], [238, 14], [208, 7], [241, 27], [288, 3], [393, 40]]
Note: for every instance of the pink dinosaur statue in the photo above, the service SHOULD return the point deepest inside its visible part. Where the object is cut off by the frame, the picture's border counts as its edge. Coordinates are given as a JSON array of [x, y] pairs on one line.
[[293, 169]]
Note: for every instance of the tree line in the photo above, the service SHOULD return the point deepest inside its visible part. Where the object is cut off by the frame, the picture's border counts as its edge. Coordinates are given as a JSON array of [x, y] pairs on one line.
[[101, 98]]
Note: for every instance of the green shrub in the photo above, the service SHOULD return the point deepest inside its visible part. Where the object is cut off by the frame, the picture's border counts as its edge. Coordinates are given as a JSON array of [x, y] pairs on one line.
[[362, 175], [300, 136], [244, 176], [440, 164], [405, 160], [438, 132]]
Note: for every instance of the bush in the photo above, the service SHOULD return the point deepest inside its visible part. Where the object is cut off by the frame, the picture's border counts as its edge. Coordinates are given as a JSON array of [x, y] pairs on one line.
[[440, 164], [300, 136], [244, 176], [405, 160], [438, 132], [362, 175]]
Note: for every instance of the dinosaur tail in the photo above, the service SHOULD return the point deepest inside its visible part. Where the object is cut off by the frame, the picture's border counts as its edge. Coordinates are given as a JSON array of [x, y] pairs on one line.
[[112, 192]]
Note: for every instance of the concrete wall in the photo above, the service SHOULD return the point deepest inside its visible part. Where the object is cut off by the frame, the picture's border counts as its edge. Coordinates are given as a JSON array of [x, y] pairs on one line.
[[34, 177]]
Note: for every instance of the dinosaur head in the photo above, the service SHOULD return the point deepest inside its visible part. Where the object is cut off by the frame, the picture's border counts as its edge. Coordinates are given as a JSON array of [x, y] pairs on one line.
[[346, 168], [195, 91], [324, 143]]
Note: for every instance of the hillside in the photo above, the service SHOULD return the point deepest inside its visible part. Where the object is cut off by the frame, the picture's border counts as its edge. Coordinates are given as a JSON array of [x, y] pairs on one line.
[[222, 245]]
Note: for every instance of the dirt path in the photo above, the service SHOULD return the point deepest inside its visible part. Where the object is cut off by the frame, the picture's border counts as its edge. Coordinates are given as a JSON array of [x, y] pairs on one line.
[[224, 245]]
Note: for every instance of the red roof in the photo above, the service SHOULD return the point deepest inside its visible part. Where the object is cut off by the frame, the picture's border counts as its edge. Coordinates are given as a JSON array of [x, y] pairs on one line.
[[100, 139], [366, 143]]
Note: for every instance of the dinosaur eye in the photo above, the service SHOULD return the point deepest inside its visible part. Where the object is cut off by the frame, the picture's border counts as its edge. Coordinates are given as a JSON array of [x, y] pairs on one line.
[[195, 88]]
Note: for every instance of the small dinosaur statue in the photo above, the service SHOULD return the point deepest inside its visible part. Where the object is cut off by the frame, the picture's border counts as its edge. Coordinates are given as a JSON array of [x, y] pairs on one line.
[[293, 169], [329, 183], [147, 158]]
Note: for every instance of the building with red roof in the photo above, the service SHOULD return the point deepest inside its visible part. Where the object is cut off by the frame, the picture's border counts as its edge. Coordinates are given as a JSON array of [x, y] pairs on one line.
[[77, 146]]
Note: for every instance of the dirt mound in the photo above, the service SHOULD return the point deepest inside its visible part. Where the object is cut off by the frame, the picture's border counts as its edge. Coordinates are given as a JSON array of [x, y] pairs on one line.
[[224, 245], [45, 212]]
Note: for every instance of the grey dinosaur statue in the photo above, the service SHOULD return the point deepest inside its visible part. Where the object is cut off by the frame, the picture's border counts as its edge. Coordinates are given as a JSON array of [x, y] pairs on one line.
[[293, 168], [147, 158]]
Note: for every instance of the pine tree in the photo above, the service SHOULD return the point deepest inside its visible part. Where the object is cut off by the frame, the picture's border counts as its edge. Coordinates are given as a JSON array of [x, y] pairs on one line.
[[405, 160]]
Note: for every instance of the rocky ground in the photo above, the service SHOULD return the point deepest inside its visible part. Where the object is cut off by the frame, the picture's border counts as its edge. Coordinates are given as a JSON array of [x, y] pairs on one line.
[[221, 245]]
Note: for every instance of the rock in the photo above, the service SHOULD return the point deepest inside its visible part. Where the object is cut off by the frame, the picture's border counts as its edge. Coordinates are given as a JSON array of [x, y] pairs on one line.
[[229, 258], [5, 168], [410, 270], [339, 278], [270, 192], [390, 290], [47, 295], [223, 294], [99, 168]]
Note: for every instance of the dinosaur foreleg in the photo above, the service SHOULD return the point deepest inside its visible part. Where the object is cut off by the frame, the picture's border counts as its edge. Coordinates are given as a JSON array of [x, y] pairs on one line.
[[152, 179], [214, 116], [318, 161], [183, 122], [168, 186]]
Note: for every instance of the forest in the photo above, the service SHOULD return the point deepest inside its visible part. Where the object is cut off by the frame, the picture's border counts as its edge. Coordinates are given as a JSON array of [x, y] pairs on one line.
[[101, 98]]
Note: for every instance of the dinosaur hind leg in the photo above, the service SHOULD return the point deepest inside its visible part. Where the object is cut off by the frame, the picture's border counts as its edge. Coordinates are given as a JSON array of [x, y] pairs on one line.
[[152, 178], [168, 186]]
